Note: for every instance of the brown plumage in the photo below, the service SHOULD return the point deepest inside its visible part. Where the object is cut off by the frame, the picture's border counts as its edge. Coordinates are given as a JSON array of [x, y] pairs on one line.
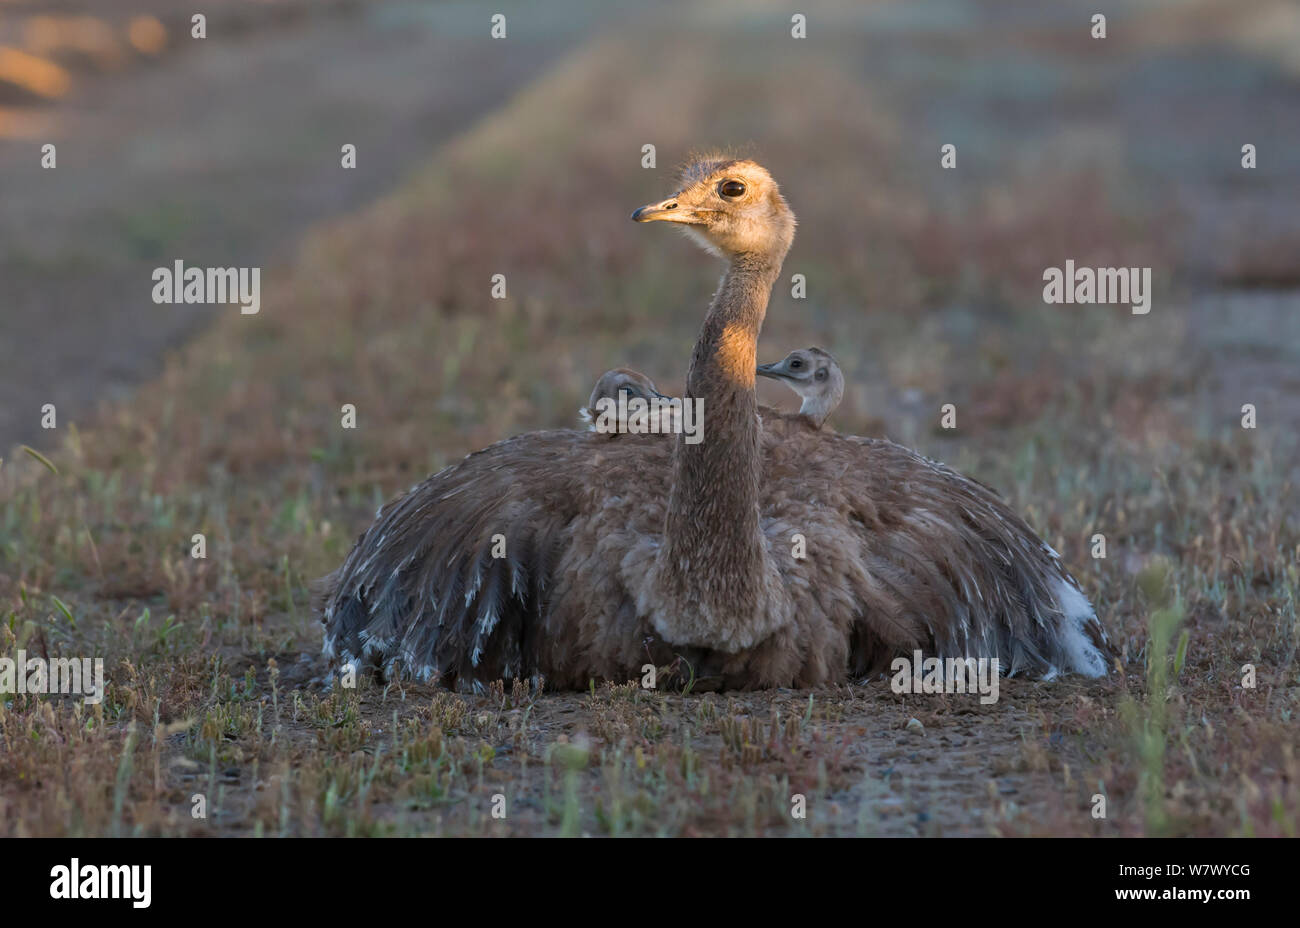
[[568, 556], [815, 376]]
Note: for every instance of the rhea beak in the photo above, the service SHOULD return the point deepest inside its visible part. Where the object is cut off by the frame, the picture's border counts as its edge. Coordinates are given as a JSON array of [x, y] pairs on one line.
[[645, 395], [669, 210], [773, 370]]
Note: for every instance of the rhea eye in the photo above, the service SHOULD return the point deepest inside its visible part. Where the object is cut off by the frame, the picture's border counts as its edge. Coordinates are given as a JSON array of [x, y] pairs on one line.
[[795, 364], [732, 188]]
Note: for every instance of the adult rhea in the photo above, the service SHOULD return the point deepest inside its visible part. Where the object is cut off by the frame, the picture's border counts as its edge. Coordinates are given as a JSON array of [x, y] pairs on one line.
[[565, 556]]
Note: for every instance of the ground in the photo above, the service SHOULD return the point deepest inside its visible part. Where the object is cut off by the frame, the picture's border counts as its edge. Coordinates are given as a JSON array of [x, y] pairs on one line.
[[925, 283]]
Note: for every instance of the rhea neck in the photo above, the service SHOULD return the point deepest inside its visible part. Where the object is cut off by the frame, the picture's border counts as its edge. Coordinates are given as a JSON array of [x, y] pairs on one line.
[[814, 408], [712, 538], [724, 361], [817, 407]]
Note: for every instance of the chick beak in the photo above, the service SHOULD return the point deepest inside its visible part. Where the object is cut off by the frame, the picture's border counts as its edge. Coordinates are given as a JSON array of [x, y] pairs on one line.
[[774, 371], [669, 210]]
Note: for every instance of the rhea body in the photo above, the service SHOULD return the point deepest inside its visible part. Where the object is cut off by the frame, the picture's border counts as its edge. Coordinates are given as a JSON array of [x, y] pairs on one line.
[[566, 556], [815, 376]]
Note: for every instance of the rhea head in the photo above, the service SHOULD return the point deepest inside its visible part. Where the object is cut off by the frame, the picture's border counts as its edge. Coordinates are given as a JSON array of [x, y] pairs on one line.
[[621, 380], [814, 375], [731, 207]]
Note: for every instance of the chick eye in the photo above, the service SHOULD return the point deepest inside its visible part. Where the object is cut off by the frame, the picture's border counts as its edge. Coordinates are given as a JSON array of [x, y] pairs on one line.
[[732, 188], [795, 364]]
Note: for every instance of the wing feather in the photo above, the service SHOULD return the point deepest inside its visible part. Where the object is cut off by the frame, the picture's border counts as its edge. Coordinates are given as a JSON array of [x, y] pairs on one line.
[[904, 553]]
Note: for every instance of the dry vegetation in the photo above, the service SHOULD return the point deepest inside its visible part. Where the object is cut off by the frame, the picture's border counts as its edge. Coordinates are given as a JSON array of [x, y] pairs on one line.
[[924, 285]]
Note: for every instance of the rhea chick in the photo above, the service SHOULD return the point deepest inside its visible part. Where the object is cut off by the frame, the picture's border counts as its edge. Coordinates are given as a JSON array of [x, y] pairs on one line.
[[814, 375], [621, 380]]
